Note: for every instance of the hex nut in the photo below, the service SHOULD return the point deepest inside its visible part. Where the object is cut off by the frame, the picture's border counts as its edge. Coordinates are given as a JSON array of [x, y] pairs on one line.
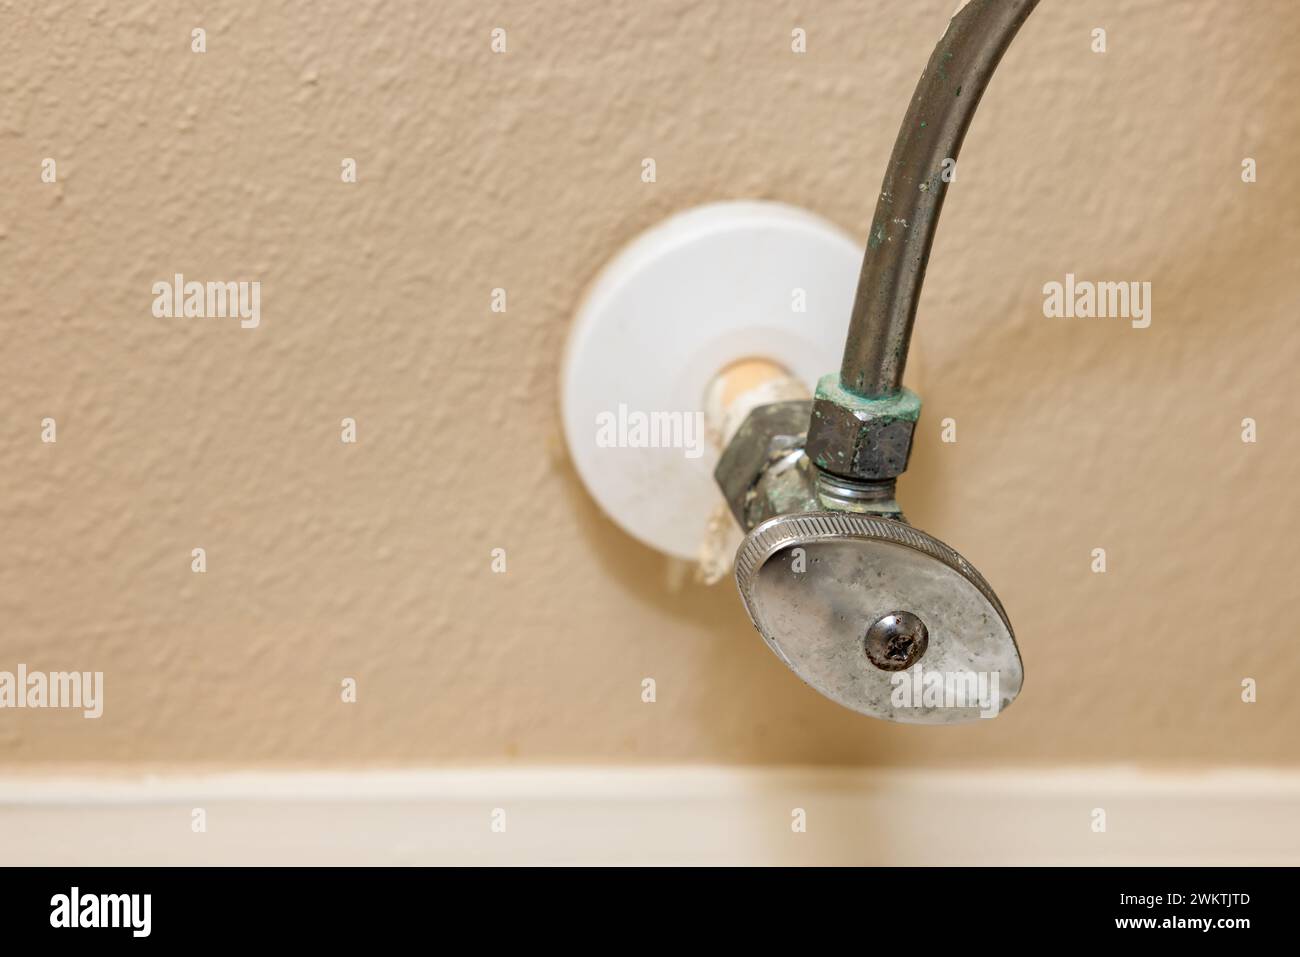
[[769, 434], [861, 438]]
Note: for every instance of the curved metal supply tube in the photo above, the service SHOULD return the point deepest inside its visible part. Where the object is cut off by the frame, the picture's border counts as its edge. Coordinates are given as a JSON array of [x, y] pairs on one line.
[[911, 196]]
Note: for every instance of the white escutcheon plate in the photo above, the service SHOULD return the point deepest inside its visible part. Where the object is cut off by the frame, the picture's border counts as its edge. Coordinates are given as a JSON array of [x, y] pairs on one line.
[[706, 288]]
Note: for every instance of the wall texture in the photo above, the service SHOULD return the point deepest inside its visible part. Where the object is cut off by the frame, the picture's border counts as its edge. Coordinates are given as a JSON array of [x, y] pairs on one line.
[[521, 170]]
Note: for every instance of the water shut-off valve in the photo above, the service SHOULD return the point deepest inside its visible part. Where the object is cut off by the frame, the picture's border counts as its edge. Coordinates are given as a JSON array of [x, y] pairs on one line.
[[871, 612]]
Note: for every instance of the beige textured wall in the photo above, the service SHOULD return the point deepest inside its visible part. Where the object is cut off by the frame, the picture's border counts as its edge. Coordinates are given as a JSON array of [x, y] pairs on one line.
[[521, 171]]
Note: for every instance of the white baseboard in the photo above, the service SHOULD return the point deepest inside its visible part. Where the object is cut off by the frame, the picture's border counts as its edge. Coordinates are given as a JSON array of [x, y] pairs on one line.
[[655, 815]]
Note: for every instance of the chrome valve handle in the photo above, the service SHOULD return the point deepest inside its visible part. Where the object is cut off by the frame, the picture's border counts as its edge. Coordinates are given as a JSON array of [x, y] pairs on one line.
[[879, 617]]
